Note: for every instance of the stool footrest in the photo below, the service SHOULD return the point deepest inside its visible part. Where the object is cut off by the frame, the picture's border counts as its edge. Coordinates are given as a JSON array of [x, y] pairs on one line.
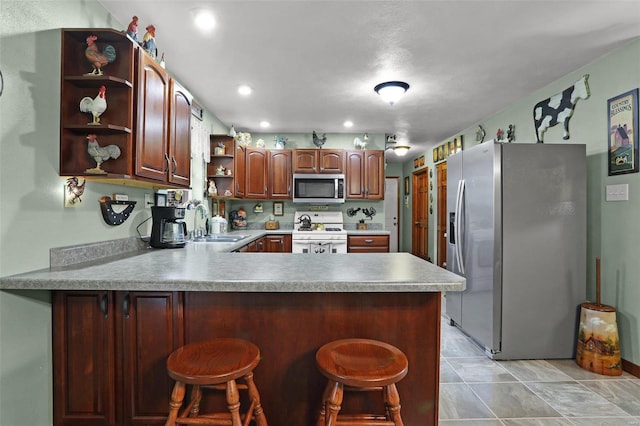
[[363, 420]]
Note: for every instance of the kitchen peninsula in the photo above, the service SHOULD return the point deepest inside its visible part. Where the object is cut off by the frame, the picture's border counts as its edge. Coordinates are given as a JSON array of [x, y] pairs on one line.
[[116, 319]]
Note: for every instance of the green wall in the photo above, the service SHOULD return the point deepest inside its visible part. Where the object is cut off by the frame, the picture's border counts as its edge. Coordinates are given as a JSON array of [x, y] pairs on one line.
[[613, 227]]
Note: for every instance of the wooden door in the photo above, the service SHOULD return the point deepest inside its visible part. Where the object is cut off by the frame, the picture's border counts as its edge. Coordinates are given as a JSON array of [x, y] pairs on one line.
[[442, 213], [420, 214], [374, 175], [280, 176], [354, 175], [152, 327], [151, 139], [83, 358], [305, 161], [240, 168], [256, 173], [331, 161], [180, 135]]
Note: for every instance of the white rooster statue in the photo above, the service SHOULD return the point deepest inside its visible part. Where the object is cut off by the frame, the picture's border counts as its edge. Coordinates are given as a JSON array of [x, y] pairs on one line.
[[95, 106], [100, 154]]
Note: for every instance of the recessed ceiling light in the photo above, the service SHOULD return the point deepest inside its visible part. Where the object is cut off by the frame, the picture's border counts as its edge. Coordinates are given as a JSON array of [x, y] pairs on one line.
[[204, 20], [244, 90], [348, 123], [264, 124]]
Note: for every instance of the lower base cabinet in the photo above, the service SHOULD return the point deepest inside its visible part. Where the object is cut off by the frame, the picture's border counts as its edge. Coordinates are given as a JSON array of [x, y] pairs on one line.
[[368, 244], [109, 356], [268, 244]]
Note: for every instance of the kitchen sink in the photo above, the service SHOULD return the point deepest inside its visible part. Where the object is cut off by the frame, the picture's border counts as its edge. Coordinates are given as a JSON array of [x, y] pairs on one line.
[[220, 238]]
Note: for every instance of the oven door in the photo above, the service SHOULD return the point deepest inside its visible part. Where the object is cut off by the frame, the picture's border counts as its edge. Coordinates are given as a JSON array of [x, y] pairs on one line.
[[318, 247]]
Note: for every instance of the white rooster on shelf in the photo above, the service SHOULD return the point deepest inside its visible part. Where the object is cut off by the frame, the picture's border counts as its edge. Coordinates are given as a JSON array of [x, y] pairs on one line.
[[95, 106], [100, 154]]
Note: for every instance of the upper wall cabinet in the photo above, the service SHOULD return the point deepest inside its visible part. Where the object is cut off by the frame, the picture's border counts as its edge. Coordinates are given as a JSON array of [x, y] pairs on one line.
[[318, 161], [365, 175], [122, 118]]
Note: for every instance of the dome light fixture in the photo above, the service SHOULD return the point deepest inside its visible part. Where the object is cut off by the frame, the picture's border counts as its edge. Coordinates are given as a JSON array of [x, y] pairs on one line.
[[391, 91], [204, 20], [245, 90], [401, 150]]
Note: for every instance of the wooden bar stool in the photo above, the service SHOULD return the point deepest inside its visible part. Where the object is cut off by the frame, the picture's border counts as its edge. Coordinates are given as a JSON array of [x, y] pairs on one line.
[[360, 365], [214, 364]]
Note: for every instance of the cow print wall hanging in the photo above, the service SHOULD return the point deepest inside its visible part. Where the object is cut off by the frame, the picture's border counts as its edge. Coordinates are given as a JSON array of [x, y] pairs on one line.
[[559, 108]]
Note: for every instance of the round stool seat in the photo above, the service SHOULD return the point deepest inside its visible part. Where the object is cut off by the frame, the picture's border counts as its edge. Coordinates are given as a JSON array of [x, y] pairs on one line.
[[362, 362], [214, 365], [212, 362]]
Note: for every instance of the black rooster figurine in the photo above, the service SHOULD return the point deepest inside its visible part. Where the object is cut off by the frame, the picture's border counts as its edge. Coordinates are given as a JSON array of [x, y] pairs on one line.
[[319, 141]]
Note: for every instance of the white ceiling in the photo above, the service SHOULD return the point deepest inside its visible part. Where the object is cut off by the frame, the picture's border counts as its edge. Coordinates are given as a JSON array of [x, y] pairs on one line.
[[313, 64]]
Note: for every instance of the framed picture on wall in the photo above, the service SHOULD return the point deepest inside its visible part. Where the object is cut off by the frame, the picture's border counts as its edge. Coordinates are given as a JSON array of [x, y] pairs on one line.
[[160, 200], [278, 208], [623, 133], [407, 190]]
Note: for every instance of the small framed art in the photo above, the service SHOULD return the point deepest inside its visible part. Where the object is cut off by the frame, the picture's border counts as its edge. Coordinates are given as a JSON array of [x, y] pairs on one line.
[[623, 133], [278, 208]]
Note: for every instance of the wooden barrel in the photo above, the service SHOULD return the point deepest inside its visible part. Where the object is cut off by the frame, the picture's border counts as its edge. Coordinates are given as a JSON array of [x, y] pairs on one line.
[[598, 348]]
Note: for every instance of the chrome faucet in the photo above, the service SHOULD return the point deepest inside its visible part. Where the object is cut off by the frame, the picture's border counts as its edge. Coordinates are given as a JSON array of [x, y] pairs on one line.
[[203, 212]]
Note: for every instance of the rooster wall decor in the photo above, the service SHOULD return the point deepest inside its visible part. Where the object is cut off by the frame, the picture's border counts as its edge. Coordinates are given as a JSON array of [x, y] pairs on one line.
[[100, 154], [319, 141], [95, 106], [74, 191], [96, 58]]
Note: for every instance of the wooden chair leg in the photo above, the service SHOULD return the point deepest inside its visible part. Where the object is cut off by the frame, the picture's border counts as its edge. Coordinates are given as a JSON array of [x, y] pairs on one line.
[[177, 395], [392, 403], [325, 397], [254, 396], [233, 403], [333, 403], [196, 397]]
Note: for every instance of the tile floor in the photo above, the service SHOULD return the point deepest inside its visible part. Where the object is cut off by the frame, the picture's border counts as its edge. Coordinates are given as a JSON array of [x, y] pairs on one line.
[[475, 390]]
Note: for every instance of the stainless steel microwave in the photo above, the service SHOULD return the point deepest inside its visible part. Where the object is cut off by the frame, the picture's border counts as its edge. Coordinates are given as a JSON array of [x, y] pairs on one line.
[[318, 188]]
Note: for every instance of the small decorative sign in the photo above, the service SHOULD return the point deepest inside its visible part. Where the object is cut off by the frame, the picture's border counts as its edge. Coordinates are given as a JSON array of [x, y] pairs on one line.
[[623, 133]]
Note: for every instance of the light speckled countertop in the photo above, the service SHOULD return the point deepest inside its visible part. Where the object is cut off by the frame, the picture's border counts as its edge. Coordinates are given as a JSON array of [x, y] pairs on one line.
[[212, 267]]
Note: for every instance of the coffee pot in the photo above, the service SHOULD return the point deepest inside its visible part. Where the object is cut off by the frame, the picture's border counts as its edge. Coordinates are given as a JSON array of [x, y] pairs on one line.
[[168, 229]]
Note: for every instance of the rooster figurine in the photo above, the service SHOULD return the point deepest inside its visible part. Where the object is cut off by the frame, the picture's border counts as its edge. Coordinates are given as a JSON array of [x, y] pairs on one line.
[[100, 154], [96, 58], [319, 141], [74, 190], [95, 106]]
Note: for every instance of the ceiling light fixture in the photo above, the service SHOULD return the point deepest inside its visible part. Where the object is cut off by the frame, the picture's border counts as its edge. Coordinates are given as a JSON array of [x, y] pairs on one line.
[[391, 91], [401, 150], [244, 90], [348, 123], [204, 20], [264, 124]]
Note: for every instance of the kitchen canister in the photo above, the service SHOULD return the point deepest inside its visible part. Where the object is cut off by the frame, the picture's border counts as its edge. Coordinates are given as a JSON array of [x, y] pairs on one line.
[[598, 347]]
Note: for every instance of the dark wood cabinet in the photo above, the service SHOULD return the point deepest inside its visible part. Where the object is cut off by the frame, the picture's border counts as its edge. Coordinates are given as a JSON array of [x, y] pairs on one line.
[[368, 244], [280, 175], [240, 165], [180, 135], [83, 358], [147, 117], [318, 161], [152, 138], [109, 352], [256, 173], [277, 243], [364, 175]]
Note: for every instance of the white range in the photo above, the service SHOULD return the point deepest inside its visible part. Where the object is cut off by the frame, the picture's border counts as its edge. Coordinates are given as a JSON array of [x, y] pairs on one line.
[[318, 232]]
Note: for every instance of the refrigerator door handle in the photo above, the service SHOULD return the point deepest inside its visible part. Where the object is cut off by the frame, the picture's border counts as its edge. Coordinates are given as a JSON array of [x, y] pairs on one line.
[[459, 201]]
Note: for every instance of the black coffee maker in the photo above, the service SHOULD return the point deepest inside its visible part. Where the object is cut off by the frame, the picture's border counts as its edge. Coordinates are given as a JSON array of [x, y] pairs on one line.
[[168, 230]]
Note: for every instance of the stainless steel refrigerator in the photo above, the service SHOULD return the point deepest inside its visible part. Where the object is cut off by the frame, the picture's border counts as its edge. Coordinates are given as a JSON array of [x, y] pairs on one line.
[[517, 232]]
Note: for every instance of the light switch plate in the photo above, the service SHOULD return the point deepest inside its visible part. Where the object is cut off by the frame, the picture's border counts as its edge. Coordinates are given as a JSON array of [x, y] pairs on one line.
[[618, 192]]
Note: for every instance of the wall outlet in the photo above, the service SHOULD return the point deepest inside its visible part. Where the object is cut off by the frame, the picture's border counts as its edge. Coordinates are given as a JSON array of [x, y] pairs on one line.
[[148, 201]]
